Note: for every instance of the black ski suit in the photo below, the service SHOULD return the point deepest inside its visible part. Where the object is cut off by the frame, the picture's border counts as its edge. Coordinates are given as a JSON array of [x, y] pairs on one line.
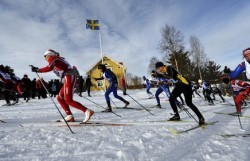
[[182, 86]]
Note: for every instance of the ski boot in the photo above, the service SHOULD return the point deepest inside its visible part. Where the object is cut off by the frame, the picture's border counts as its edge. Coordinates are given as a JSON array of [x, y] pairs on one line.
[[175, 118], [69, 118], [158, 106], [126, 104], [108, 109], [201, 121], [88, 114]]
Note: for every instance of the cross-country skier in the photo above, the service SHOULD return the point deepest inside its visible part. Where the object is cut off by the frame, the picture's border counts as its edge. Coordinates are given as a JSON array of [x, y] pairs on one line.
[[65, 71], [243, 66], [207, 91], [113, 85], [17, 87], [195, 89], [17, 84], [148, 86], [162, 86], [7, 85], [240, 94], [216, 90], [182, 86]]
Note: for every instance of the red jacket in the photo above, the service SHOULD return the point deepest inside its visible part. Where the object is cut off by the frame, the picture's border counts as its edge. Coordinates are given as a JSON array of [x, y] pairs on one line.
[[58, 64]]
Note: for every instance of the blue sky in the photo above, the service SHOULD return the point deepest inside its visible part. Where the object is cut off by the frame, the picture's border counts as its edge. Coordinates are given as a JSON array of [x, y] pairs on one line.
[[130, 30]]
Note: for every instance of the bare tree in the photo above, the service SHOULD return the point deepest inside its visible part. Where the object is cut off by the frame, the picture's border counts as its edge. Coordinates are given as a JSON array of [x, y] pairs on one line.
[[133, 80], [129, 78], [152, 63], [136, 80], [172, 41], [197, 52]]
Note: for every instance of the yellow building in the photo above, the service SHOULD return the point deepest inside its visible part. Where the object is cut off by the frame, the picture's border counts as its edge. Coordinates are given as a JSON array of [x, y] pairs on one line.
[[114, 66]]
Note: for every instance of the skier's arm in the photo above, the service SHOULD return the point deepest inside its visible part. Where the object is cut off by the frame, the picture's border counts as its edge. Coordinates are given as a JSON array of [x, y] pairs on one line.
[[45, 69], [238, 70]]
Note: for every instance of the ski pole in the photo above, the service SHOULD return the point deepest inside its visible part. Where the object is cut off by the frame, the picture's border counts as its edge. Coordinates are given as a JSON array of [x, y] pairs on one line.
[[184, 109], [99, 105], [53, 101], [139, 103], [178, 104]]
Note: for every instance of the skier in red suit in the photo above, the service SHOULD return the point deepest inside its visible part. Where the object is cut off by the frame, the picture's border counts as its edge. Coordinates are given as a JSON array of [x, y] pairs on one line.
[[241, 91], [243, 66], [65, 71]]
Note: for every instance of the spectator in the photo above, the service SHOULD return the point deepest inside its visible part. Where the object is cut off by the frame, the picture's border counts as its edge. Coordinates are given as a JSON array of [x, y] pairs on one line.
[[124, 85], [88, 85], [227, 70], [80, 85], [26, 82]]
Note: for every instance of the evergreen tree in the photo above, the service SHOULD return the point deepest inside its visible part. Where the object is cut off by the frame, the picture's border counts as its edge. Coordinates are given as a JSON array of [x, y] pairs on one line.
[[211, 72], [184, 62]]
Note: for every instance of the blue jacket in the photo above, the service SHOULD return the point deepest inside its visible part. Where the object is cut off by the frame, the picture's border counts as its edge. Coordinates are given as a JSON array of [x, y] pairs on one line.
[[111, 77]]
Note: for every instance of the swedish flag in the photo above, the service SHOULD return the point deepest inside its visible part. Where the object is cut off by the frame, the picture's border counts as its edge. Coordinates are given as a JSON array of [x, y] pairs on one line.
[[93, 24]]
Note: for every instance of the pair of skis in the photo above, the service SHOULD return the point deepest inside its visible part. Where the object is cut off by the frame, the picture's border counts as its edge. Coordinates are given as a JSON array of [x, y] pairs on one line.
[[175, 132]]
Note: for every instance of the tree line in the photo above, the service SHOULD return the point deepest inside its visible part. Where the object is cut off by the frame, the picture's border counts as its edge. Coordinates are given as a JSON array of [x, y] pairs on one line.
[[193, 63]]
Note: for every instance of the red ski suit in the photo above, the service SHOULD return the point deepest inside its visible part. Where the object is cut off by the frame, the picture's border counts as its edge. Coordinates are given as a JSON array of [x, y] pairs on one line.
[[65, 97], [241, 90]]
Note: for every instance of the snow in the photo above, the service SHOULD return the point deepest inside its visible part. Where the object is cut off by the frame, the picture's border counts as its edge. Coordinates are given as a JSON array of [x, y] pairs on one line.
[[31, 133]]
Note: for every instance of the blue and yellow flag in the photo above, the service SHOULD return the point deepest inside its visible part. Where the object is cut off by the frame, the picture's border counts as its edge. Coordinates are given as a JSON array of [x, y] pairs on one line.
[[93, 24]]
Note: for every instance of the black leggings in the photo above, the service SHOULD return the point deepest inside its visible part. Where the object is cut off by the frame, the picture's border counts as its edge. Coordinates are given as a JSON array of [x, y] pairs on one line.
[[187, 92]]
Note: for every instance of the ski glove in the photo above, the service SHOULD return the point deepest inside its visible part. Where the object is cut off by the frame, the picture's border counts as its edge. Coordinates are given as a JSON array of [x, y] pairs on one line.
[[34, 69]]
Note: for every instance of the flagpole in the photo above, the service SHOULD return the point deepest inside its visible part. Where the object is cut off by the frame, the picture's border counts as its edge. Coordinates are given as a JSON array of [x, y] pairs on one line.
[[100, 40]]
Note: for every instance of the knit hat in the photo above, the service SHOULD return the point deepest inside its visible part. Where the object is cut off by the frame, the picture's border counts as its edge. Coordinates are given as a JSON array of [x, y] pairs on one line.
[[159, 64]]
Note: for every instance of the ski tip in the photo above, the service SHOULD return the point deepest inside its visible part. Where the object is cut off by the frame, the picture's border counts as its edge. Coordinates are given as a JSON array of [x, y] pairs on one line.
[[203, 126], [172, 131]]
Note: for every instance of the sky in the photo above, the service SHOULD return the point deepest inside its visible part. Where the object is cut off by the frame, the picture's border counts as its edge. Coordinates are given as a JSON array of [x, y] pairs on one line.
[[130, 31]]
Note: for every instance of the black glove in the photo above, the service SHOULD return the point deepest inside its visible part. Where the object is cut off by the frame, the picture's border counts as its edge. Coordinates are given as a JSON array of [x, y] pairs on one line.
[[34, 69]]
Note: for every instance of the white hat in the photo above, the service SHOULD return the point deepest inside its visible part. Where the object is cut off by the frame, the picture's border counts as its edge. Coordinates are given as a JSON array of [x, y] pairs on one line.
[[50, 52], [199, 81]]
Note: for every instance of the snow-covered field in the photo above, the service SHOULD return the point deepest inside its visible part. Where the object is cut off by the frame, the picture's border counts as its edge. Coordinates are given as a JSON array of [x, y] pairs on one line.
[[31, 133]]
